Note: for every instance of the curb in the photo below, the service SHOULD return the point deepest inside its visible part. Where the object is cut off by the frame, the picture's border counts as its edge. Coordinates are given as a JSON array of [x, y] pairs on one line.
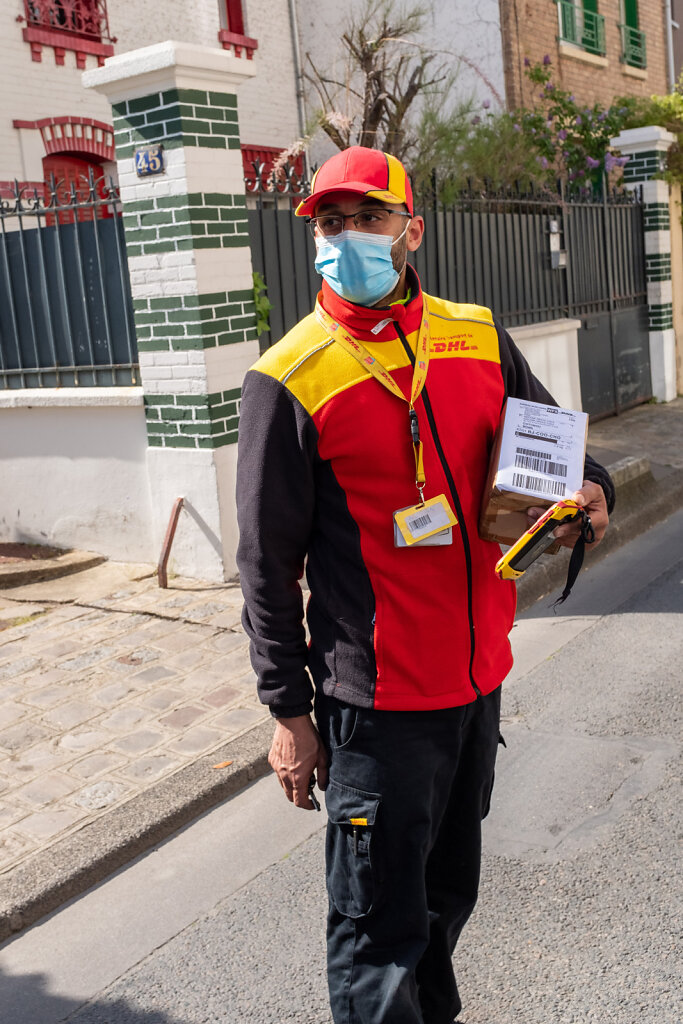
[[67, 869], [14, 575]]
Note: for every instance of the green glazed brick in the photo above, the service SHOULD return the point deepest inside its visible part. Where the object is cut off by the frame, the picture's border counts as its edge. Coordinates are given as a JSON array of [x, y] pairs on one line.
[[215, 142], [195, 126], [184, 316], [188, 344], [119, 109], [196, 400], [192, 96], [207, 243], [165, 302], [133, 250], [221, 412], [171, 331], [163, 429], [153, 218], [142, 332], [154, 442], [223, 99], [174, 127], [145, 103], [207, 113], [234, 241], [242, 322], [181, 441], [124, 152], [233, 393], [153, 345], [169, 96], [152, 413], [220, 128], [205, 442], [195, 429], [159, 399], [177, 413], [213, 298], [241, 295], [203, 213], [230, 438]]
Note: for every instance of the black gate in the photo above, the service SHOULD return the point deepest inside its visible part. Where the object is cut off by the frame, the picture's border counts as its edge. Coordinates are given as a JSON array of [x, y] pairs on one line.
[[530, 258], [66, 313]]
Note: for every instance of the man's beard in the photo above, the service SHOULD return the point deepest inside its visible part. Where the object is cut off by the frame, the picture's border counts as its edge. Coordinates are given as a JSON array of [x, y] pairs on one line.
[[399, 254]]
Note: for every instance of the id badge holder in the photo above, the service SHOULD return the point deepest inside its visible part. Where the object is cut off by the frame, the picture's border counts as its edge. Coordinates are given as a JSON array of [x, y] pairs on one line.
[[429, 524]]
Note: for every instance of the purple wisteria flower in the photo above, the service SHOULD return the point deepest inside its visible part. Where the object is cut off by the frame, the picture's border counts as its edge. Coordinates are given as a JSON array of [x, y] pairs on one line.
[[486, 104], [592, 163], [578, 120], [571, 98], [544, 162], [562, 134], [546, 61], [603, 116], [527, 62], [476, 120], [516, 127]]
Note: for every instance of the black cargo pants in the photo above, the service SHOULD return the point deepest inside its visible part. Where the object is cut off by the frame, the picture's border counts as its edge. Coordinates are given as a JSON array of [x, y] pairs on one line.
[[406, 797]]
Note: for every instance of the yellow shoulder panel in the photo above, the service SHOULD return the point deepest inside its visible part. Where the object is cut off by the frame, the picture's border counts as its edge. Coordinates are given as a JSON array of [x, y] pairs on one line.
[[462, 329], [314, 368]]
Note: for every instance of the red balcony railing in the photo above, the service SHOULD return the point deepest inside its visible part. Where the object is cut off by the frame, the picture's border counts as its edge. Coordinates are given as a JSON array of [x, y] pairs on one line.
[[84, 18]]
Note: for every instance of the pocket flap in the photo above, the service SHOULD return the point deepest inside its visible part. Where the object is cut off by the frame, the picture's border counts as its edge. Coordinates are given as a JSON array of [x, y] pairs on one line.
[[347, 806]]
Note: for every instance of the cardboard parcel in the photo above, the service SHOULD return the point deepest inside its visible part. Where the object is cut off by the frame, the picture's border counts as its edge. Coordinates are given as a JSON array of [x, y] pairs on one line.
[[537, 459]]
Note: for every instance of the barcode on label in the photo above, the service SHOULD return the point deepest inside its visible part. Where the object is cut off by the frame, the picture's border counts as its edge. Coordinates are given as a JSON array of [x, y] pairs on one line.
[[537, 483], [419, 522], [526, 458]]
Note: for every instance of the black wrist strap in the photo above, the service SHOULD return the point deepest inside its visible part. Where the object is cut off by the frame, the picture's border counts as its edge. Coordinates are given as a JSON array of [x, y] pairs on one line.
[[576, 561]]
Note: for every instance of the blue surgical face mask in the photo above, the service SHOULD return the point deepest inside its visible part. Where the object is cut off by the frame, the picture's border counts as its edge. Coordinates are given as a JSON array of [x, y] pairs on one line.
[[357, 265]]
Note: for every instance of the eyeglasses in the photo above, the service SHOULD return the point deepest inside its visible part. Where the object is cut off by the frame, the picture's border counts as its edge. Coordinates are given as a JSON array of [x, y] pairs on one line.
[[372, 221]]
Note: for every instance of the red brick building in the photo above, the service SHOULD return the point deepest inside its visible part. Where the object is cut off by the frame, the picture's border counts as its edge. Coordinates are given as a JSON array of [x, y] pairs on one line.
[[599, 49]]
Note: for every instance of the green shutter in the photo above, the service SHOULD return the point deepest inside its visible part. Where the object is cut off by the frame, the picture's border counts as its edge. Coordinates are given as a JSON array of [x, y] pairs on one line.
[[630, 13]]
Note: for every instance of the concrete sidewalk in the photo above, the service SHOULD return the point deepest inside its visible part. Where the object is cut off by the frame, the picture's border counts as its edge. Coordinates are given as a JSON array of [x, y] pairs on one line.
[[121, 703]]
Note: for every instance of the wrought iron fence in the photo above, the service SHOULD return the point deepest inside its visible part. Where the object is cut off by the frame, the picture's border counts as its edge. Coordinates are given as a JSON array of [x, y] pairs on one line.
[[529, 257], [494, 249], [66, 314]]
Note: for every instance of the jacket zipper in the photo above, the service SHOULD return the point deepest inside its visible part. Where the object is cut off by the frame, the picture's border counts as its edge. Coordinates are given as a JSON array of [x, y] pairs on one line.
[[456, 502]]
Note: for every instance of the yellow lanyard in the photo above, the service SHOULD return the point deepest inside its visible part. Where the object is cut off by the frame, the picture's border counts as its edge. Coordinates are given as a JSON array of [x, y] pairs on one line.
[[372, 365]]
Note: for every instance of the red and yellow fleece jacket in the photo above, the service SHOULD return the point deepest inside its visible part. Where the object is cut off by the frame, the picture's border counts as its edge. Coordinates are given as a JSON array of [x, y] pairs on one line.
[[325, 460]]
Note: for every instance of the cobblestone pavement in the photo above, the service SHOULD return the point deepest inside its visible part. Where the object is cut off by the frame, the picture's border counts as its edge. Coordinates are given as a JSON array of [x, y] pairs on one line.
[[101, 697]]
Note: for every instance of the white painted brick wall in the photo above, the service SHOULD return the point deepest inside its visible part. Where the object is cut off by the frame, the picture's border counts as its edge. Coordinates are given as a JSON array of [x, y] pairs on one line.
[[267, 103], [468, 28], [31, 90]]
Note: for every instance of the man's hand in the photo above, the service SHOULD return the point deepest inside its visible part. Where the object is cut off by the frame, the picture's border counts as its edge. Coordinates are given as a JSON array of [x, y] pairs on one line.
[[297, 752], [592, 498]]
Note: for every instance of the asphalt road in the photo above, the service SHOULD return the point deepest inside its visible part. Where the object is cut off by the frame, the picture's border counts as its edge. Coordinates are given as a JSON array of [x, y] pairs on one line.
[[580, 914]]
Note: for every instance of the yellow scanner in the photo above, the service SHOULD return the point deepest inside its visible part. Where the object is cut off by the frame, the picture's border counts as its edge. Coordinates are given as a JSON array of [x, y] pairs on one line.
[[537, 539]]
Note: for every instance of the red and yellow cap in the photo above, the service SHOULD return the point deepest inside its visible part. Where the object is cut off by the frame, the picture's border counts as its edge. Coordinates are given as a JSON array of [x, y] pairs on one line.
[[359, 169]]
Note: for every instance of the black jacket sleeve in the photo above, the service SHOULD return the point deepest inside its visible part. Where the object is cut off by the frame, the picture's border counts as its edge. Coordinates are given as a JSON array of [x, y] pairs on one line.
[[275, 501], [520, 382]]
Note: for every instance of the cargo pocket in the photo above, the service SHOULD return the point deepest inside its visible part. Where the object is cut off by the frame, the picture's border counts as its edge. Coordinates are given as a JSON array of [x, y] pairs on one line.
[[350, 853]]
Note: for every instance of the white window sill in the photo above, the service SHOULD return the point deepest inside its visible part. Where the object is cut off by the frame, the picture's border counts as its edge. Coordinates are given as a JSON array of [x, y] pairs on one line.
[[632, 72], [28, 398], [578, 53]]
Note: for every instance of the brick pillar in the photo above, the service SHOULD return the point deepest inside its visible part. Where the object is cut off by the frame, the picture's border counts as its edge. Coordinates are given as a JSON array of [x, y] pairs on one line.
[[647, 148], [190, 267]]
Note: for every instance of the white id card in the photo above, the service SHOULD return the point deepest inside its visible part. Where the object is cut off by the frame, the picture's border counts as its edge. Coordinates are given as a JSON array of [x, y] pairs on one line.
[[428, 524]]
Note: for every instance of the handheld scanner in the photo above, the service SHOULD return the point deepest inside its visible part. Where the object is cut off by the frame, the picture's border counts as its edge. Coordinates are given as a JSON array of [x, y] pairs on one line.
[[536, 540]]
